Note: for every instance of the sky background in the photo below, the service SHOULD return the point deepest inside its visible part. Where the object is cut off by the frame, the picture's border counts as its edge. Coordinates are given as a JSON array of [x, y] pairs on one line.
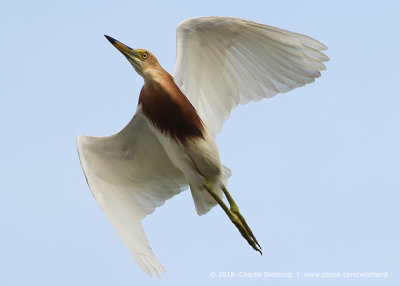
[[315, 171]]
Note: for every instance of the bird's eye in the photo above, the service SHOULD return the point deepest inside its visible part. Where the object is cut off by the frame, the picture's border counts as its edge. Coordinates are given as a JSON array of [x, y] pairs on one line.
[[145, 55]]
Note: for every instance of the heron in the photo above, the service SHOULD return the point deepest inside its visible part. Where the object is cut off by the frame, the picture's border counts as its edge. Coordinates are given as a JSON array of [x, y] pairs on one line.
[[169, 144]]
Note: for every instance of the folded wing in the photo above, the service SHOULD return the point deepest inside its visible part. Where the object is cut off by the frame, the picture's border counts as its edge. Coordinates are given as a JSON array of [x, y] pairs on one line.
[[130, 175], [223, 61]]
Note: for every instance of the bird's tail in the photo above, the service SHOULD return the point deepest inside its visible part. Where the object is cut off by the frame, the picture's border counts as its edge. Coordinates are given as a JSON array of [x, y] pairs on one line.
[[203, 201]]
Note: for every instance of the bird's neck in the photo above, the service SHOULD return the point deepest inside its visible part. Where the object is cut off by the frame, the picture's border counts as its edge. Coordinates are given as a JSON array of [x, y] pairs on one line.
[[168, 109], [154, 74]]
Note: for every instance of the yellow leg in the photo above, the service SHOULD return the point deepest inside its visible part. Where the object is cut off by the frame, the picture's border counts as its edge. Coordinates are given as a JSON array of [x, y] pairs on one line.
[[235, 216], [235, 209]]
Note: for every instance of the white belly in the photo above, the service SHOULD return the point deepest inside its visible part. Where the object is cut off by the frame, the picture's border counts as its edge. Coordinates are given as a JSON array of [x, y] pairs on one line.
[[198, 159], [199, 162]]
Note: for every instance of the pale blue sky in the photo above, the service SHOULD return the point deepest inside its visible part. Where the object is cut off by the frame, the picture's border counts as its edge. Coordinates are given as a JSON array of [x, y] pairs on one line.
[[315, 171]]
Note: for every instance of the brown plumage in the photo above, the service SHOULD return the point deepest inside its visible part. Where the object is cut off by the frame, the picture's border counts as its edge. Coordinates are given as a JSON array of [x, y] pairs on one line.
[[167, 107]]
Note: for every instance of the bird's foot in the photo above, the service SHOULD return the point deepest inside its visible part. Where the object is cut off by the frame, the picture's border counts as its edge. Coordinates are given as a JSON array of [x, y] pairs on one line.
[[239, 221], [242, 226], [235, 216]]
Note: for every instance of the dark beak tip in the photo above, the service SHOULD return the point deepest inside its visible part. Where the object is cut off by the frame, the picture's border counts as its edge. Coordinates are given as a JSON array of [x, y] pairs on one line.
[[124, 49], [111, 40]]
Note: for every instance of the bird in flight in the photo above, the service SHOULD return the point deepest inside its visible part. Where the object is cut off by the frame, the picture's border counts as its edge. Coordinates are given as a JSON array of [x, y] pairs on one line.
[[169, 144]]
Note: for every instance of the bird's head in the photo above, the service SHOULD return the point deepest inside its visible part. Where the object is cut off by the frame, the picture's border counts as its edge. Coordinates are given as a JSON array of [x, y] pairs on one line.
[[141, 60]]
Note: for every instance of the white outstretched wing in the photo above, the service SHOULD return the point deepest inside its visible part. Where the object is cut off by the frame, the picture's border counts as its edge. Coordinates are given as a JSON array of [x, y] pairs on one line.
[[223, 61], [130, 175]]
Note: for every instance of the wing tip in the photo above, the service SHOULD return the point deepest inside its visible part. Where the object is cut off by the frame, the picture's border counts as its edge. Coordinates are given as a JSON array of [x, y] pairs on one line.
[[150, 264], [323, 47]]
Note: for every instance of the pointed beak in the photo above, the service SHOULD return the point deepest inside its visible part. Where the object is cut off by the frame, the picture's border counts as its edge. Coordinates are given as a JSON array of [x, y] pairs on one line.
[[124, 49]]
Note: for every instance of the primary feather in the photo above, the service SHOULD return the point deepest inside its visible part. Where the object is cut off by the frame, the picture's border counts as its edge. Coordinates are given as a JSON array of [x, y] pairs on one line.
[[224, 61], [130, 175]]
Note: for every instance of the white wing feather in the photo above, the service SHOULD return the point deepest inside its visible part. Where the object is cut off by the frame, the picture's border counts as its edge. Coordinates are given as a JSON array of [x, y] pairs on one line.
[[130, 175], [223, 61]]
